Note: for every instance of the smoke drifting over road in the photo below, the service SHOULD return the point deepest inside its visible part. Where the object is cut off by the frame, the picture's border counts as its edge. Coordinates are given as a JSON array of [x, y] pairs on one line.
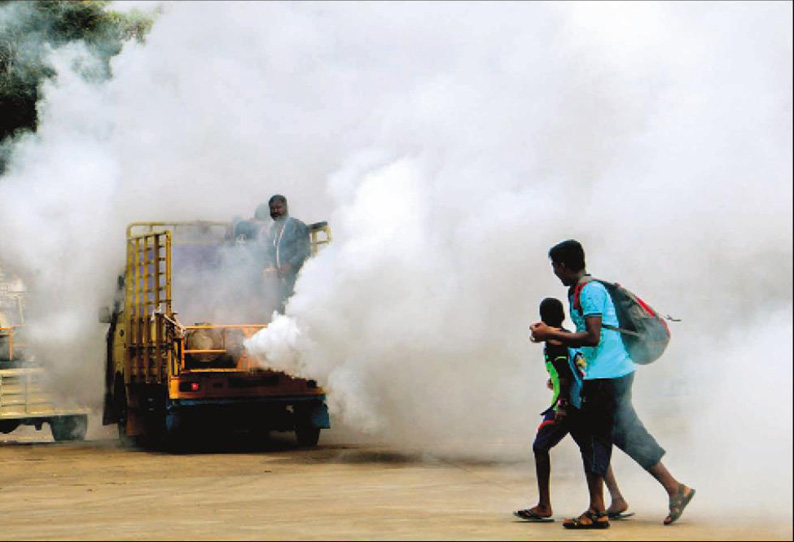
[[449, 146]]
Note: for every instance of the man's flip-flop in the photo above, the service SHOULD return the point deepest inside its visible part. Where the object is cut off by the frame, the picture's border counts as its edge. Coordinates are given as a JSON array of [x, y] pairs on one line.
[[619, 515], [529, 515]]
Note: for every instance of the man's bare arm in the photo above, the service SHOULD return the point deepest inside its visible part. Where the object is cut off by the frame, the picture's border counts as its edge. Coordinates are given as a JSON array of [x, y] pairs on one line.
[[591, 336]]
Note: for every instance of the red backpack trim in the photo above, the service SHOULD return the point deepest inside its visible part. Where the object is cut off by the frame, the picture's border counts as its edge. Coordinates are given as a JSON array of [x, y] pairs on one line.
[[577, 293]]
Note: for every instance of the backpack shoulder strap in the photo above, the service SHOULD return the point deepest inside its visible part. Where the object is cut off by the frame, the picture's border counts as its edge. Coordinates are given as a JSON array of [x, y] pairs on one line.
[[577, 292], [577, 303]]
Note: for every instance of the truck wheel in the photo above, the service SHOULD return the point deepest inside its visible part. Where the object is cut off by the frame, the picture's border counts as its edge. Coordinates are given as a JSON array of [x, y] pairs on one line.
[[171, 435], [69, 427], [307, 435]]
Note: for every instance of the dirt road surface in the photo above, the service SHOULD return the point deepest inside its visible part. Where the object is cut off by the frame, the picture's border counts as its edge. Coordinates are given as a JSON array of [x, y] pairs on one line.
[[255, 489]]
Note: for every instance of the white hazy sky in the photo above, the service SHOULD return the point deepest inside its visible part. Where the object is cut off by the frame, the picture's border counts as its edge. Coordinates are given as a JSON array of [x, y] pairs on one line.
[[449, 145]]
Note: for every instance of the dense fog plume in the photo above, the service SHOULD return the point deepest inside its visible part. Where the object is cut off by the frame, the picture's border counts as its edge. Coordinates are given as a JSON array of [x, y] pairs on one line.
[[449, 146]]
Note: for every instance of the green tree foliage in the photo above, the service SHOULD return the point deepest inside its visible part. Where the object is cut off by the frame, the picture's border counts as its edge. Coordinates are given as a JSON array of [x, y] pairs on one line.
[[28, 30]]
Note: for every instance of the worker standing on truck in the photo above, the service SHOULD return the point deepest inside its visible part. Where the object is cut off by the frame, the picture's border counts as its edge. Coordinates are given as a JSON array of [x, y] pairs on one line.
[[251, 229], [288, 246]]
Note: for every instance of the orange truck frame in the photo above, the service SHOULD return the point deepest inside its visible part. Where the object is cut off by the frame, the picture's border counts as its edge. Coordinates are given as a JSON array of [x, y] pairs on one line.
[[155, 390]]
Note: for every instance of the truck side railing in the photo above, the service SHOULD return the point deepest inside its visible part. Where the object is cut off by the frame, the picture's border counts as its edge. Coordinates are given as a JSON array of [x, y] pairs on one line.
[[207, 231], [147, 302], [200, 227], [319, 234]]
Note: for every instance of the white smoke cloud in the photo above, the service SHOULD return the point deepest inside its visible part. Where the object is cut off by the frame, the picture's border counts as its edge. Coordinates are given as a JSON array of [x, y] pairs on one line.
[[449, 146]]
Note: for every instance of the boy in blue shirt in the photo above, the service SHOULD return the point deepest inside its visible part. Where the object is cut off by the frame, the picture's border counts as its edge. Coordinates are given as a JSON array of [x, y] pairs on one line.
[[566, 370]]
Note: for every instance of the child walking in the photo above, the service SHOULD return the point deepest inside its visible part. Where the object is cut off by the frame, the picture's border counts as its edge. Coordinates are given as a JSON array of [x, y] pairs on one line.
[[566, 368]]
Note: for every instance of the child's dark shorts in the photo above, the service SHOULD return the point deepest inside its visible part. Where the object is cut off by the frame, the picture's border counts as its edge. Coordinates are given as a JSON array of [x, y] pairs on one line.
[[550, 433]]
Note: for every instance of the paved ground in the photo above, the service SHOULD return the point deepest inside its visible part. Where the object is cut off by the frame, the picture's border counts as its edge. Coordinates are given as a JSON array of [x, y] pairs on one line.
[[269, 489]]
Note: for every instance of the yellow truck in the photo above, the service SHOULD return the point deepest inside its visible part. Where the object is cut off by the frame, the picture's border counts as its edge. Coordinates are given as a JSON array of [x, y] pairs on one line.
[[166, 379], [24, 399]]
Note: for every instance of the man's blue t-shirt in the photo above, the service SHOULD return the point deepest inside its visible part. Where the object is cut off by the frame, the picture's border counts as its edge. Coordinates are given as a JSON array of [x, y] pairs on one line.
[[609, 359]]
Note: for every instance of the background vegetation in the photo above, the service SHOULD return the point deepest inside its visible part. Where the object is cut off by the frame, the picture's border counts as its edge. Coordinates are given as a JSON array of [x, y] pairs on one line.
[[29, 30]]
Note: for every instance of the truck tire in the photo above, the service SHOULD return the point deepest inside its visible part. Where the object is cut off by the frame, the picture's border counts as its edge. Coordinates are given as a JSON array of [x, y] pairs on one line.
[[170, 436], [307, 435], [66, 428]]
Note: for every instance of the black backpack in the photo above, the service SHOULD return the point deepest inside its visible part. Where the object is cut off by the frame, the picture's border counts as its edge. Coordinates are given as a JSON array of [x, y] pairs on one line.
[[643, 331]]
